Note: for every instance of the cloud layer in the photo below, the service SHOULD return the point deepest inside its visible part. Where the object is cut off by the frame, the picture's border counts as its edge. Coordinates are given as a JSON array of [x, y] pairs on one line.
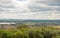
[[29, 9]]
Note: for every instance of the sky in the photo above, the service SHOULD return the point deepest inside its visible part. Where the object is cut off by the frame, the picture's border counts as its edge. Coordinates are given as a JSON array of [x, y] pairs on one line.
[[30, 9]]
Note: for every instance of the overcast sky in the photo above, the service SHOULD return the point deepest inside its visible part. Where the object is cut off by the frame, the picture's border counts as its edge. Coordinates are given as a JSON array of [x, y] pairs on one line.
[[29, 9]]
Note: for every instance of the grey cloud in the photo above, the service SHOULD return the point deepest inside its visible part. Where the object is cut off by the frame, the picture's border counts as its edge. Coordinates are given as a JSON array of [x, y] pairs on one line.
[[58, 9], [5, 1], [50, 2], [38, 9], [7, 6], [21, 0], [47, 8], [34, 7], [53, 4]]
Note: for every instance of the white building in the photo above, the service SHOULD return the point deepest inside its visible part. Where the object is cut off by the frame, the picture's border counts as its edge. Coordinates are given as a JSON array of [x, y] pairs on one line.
[[7, 25]]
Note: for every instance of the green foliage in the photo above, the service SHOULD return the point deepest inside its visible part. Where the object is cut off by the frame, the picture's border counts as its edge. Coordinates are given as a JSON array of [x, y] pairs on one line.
[[26, 32]]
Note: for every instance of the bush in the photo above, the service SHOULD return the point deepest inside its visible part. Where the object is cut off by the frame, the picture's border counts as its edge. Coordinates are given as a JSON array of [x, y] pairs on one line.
[[25, 32]]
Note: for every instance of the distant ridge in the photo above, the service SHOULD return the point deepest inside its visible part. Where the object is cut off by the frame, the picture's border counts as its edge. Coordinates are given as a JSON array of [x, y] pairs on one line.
[[27, 20]]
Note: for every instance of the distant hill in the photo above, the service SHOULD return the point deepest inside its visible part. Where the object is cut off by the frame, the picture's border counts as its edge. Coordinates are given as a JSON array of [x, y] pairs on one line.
[[28, 20]]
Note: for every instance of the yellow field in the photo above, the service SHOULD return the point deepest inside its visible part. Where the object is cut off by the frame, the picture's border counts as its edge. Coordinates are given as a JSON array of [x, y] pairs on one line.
[[56, 26]]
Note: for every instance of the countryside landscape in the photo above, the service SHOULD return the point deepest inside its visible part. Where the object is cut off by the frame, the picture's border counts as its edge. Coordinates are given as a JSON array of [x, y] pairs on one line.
[[30, 29], [29, 18]]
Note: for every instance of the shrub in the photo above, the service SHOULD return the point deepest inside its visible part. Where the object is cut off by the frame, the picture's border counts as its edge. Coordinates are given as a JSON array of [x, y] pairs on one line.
[[25, 32]]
